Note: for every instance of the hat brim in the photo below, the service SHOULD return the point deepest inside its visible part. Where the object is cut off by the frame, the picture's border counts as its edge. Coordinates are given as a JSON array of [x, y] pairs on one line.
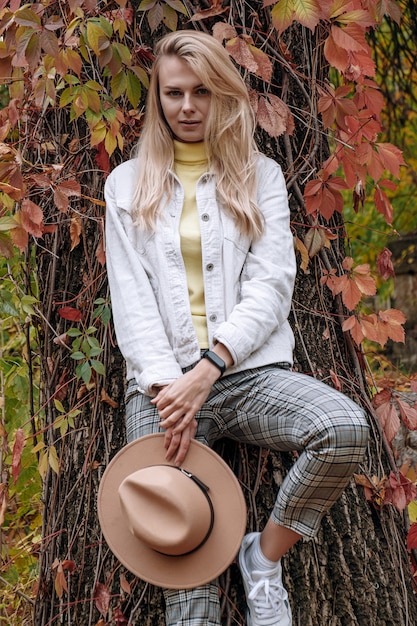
[[174, 572]]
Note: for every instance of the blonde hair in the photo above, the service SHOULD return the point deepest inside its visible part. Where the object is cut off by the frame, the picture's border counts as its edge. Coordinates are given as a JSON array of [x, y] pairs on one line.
[[229, 136]]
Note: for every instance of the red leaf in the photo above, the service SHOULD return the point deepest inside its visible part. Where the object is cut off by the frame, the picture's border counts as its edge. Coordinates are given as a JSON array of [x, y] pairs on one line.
[[391, 157], [412, 537], [70, 313], [102, 158], [389, 419], [385, 266], [408, 415], [18, 446], [102, 598], [400, 491], [383, 205]]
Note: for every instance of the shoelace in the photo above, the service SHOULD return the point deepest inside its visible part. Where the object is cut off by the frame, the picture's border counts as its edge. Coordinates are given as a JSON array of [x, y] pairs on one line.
[[268, 598]]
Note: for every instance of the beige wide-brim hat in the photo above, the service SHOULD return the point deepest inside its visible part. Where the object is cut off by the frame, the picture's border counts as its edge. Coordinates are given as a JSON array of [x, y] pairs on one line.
[[176, 528]]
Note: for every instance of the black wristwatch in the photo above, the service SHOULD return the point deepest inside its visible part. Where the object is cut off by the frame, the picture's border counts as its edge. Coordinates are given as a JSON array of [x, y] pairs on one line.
[[216, 360]]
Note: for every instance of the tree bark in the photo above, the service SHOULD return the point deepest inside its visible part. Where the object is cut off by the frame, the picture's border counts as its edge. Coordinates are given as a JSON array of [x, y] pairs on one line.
[[356, 572]]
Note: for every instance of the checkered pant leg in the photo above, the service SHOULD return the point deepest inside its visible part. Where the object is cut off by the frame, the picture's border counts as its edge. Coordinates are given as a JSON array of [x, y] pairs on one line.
[[193, 607]]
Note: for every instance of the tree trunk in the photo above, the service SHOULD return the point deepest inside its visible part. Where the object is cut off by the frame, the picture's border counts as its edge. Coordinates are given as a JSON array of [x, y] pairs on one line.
[[356, 572]]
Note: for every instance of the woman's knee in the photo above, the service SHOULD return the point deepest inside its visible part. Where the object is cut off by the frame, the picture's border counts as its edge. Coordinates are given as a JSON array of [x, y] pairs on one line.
[[342, 430]]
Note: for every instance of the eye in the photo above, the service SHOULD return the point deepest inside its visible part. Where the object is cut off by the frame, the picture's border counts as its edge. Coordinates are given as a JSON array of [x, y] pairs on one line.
[[203, 91], [174, 93]]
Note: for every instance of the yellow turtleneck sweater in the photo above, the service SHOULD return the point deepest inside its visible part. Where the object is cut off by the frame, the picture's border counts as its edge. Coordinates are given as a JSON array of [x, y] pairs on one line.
[[190, 162]]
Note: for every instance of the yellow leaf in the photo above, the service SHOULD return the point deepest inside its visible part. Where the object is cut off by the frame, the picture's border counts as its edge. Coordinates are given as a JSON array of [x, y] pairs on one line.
[[412, 511], [53, 459]]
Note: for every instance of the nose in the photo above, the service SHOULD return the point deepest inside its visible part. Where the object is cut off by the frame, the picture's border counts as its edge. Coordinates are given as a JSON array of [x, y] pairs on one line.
[[188, 103]]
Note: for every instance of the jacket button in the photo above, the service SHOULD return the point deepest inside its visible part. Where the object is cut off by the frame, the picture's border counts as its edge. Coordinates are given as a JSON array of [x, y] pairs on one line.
[[205, 217], [209, 267], [213, 317]]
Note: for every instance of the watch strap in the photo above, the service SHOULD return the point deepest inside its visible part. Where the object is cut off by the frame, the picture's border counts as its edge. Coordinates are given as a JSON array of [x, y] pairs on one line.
[[215, 359]]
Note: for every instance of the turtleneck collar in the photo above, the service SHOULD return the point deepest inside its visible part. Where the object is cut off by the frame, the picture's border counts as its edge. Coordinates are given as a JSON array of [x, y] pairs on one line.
[[190, 152]]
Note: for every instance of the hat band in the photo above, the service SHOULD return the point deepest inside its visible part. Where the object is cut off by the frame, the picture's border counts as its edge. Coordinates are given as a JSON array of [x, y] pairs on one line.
[[204, 488]]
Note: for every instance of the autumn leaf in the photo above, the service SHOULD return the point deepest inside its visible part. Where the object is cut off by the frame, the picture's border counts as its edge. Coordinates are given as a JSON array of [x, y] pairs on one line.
[[390, 422], [302, 249], [102, 598], [60, 583], [273, 115], [400, 491], [384, 264], [75, 232], [223, 30], [353, 325], [70, 313], [215, 9], [104, 397], [412, 537], [125, 585], [3, 502], [391, 157], [383, 205], [408, 415], [18, 446], [306, 12], [393, 320]]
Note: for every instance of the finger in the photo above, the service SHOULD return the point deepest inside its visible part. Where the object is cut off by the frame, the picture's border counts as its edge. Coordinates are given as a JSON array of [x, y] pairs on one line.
[[173, 447], [183, 447]]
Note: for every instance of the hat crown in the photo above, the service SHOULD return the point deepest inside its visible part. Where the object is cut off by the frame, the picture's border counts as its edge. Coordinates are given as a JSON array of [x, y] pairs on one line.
[[167, 509]]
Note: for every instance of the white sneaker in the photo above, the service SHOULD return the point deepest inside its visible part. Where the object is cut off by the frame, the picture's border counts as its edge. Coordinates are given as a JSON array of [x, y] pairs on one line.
[[266, 597]]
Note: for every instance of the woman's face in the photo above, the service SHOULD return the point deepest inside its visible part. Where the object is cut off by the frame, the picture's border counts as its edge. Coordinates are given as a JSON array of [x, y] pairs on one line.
[[184, 99]]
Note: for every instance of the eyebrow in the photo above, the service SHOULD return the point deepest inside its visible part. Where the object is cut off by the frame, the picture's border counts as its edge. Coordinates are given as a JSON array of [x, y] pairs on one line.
[[177, 87]]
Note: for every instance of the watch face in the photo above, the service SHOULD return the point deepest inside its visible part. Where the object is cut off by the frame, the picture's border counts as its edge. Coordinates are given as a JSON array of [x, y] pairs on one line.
[[216, 360]]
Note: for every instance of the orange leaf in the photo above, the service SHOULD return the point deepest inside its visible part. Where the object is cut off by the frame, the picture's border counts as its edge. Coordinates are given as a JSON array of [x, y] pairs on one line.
[[104, 397], [389, 419], [274, 116], [102, 598], [391, 157], [31, 216], [125, 585], [264, 69], [75, 232], [239, 51], [351, 294], [343, 39], [408, 415], [352, 324], [60, 580]]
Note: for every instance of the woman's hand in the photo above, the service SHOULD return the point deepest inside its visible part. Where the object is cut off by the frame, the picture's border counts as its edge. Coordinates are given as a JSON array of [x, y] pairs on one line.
[[179, 402]]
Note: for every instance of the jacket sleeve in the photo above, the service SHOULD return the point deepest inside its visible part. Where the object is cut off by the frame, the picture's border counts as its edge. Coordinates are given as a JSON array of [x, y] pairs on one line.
[[268, 275], [138, 325]]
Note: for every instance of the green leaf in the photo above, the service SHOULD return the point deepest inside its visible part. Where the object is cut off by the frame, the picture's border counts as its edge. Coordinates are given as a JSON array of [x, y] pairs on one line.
[[123, 52], [59, 406], [177, 6], [98, 367], [83, 370], [74, 332], [77, 356], [145, 5], [133, 89], [119, 84]]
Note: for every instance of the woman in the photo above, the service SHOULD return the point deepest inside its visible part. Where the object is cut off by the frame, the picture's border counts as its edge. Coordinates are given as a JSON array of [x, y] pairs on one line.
[[201, 268]]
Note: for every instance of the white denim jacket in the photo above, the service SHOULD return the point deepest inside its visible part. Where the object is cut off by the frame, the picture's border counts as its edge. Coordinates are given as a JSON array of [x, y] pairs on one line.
[[248, 284]]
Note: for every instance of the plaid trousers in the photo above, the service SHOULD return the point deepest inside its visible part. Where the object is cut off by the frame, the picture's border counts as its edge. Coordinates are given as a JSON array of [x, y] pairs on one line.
[[282, 410]]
